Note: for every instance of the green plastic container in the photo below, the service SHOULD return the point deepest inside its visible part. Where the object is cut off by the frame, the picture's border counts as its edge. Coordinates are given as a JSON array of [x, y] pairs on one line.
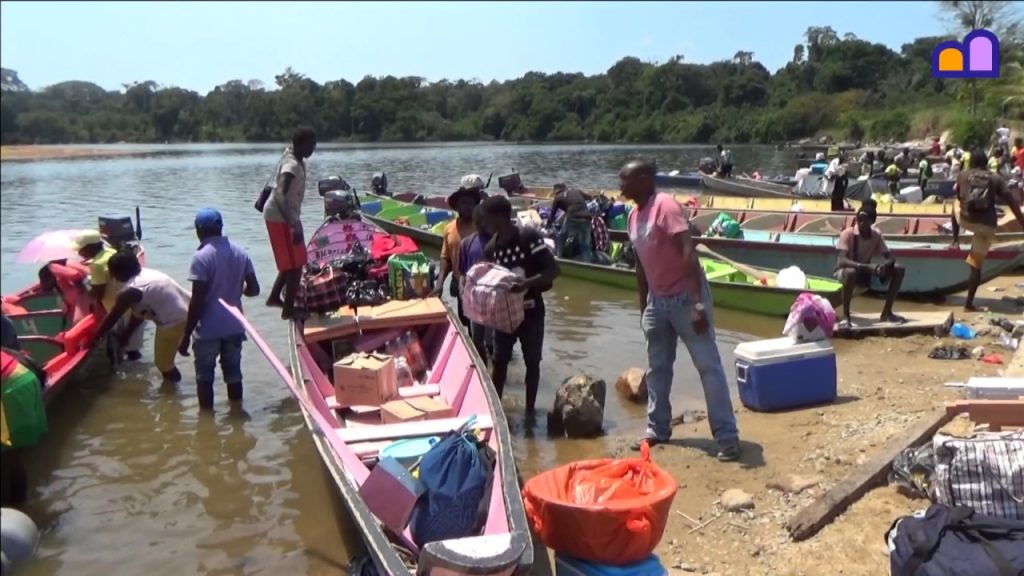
[[410, 276]]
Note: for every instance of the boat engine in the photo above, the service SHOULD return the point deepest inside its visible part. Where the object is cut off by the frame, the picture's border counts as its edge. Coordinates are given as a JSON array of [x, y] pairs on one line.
[[330, 184], [707, 165], [118, 232], [511, 183], [340, 199], [379, 184]]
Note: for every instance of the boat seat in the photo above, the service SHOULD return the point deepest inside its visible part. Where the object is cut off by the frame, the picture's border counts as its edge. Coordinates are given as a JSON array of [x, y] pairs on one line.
[[403, 393], [410, 429]]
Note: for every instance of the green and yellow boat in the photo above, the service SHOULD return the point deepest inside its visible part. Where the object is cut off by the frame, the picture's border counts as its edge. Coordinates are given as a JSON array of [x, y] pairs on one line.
[[423, 219]]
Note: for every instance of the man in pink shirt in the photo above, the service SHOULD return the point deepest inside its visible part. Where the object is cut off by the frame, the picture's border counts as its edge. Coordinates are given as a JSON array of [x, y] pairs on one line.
[[676, 303]]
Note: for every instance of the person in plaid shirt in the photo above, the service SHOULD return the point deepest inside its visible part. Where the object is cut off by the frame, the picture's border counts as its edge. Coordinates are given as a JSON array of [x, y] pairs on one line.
[[523, 251]]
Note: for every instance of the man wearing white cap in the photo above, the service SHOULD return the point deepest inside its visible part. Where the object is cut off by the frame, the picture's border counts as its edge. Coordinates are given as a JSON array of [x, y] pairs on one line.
[[96, 255]]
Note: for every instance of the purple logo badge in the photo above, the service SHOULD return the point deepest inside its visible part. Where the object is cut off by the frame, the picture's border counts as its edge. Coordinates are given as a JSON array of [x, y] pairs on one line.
[[976, 57]]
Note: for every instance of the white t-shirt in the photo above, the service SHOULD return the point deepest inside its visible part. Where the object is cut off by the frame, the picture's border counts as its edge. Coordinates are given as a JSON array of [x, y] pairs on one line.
[[163, 301], [1004, 134], [834, 171], [286, 206]]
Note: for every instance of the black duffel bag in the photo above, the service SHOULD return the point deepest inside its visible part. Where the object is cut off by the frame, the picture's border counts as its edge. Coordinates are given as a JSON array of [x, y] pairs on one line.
[[955, 542]]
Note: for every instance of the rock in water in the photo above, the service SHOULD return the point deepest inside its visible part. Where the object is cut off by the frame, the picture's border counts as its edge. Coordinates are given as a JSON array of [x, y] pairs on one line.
[[633, 385], [579, 407]]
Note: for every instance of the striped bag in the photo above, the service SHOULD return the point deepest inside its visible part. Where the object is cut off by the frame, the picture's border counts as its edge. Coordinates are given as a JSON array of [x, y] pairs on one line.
[[985, 472], [487, 298]]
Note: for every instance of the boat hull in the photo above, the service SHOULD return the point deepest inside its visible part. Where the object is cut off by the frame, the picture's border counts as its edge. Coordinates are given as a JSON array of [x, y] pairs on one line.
[[745, 188], [735, 295]]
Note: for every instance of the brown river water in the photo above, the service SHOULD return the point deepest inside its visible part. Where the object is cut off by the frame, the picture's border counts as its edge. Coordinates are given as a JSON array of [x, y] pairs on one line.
[[132, 479]]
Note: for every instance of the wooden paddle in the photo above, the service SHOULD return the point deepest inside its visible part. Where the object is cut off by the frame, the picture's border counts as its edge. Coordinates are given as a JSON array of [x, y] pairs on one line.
[[749, 271]]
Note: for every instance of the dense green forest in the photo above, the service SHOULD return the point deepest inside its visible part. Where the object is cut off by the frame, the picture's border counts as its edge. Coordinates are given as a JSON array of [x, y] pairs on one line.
[[835, 84]]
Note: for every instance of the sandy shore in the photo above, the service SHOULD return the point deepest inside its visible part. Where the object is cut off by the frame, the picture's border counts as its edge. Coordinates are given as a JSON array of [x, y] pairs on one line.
[[885, 386], [23, 153]]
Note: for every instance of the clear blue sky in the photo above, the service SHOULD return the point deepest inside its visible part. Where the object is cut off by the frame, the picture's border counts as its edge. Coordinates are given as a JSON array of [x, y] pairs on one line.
[[198, 45]]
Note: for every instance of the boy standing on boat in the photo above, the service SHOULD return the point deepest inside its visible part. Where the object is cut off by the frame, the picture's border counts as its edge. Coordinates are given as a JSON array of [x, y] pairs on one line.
[[676, 304], [977, 192], [523, 251], [283, 215], [462, 201], [96, 255], [857, 246], [220, 269], [150, 295]]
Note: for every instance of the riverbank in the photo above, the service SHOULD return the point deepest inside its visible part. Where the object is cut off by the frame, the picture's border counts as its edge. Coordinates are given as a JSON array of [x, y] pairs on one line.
[[885, 387], [18, 153]]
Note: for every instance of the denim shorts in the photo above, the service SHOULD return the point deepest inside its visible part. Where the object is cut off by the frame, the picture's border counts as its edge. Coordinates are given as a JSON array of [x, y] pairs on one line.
[[206, 352]]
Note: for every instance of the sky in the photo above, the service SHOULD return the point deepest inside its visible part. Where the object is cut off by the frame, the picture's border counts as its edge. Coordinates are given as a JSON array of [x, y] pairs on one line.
[[199, 45]]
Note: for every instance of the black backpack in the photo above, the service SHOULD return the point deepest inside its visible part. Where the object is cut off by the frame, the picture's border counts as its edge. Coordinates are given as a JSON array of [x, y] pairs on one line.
[[956, 542], [979, 193]]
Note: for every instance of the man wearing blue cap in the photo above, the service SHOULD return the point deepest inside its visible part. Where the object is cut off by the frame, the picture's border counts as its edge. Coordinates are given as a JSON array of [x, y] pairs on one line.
[[219, 269]]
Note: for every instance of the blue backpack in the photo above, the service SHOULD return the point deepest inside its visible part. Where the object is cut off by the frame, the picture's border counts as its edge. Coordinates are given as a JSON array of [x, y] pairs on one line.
[[457, 474]]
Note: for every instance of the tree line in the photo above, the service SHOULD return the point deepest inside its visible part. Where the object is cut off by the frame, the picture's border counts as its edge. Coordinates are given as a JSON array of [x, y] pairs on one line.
[[835, 84]]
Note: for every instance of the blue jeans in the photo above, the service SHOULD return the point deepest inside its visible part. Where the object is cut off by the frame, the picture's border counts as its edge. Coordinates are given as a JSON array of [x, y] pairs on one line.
[[206, 352], [582, 231], [666, 320]]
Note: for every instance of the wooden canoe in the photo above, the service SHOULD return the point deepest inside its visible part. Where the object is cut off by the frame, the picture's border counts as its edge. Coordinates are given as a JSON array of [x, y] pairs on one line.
[[349, 442], [730, 288], [745, 188]]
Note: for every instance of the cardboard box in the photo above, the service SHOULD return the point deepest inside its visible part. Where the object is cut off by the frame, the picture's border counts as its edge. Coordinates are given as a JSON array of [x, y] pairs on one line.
[[391, 492], [413, 410], [365, 380], [432, 408]]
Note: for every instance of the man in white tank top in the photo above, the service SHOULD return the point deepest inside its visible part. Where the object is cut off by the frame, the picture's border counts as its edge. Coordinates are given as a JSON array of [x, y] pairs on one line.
[[150, 295]]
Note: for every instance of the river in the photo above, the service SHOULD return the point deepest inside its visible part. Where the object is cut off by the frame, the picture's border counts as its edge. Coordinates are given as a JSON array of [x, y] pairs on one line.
[[132, 479]]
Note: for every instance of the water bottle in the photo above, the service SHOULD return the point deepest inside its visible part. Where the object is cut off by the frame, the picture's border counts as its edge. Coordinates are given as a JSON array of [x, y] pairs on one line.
[[962, 331]]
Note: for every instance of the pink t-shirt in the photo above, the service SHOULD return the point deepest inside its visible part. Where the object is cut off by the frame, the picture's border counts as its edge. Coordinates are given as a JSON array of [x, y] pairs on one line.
[[651, 230]]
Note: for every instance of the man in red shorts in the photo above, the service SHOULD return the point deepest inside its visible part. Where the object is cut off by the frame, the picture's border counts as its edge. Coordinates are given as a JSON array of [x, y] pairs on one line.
[[283, 214]]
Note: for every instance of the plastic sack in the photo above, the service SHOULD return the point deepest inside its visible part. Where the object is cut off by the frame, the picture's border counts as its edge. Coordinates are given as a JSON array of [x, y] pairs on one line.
[[410, 276], [913, 471], [608, 511], [792, 278], [811, 318], [725, 226]]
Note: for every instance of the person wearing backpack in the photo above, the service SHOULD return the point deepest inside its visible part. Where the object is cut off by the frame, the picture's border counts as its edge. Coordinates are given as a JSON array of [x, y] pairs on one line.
[[977, 190]]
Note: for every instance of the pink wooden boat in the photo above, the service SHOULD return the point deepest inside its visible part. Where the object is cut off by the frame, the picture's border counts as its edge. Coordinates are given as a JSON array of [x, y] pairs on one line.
[[349, 442]]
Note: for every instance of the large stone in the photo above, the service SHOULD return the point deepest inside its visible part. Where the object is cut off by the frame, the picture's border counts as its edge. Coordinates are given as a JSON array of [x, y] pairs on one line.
[[794, 483], [579, 407], [633, 385], [735, 500]]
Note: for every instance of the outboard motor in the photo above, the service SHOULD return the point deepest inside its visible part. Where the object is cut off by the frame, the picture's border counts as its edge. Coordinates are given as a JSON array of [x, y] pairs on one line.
[[379, 184], [707, 165], [118, 232], [340, 199], [511, 183]]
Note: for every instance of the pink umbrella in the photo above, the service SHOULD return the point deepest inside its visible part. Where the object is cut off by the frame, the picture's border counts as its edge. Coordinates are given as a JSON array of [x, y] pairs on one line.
[[55, 245]]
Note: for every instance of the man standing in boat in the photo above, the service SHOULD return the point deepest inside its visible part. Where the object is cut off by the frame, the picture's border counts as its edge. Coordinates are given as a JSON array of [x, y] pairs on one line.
[[220, 269], [463, 201], [858, 245], [724, 162], [283, 215], [977, 192], [523, 251], [676, 303], [577, 223]]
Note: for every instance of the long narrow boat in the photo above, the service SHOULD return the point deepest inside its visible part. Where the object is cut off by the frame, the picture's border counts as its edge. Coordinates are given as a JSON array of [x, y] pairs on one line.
[[773, 204], [349, 442], [693, 180], [745, 188], [731, 288], [932, 268], [58, 339]]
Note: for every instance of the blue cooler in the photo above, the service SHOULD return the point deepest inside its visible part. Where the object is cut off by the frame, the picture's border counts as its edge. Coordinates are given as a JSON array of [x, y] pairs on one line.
[[779, 374], [568, 566]]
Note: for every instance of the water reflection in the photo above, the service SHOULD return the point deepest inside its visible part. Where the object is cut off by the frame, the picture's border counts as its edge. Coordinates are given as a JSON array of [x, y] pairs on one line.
[[132, 480]]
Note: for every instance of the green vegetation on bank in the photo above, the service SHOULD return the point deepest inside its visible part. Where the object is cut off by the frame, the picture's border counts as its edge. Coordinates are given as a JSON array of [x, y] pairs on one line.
[[839, 85]]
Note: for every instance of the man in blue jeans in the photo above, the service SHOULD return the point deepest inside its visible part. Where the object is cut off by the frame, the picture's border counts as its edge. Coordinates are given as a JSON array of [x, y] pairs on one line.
[[219, 269], [676, 305]]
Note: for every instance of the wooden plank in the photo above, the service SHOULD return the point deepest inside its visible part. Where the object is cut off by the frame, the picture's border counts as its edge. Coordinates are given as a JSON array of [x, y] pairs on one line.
[[996, 413], [937, 323], [393, 314], [410, 429], [819, 513]]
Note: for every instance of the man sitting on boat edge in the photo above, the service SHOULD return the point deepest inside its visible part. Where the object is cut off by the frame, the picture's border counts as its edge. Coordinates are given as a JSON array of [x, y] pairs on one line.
[[857, 245]]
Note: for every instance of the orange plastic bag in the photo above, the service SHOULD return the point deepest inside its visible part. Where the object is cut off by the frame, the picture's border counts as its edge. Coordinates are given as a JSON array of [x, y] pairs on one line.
[[608, 511]]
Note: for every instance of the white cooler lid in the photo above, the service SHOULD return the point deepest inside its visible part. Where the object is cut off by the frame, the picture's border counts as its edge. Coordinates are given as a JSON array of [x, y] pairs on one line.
[[779, 348]]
